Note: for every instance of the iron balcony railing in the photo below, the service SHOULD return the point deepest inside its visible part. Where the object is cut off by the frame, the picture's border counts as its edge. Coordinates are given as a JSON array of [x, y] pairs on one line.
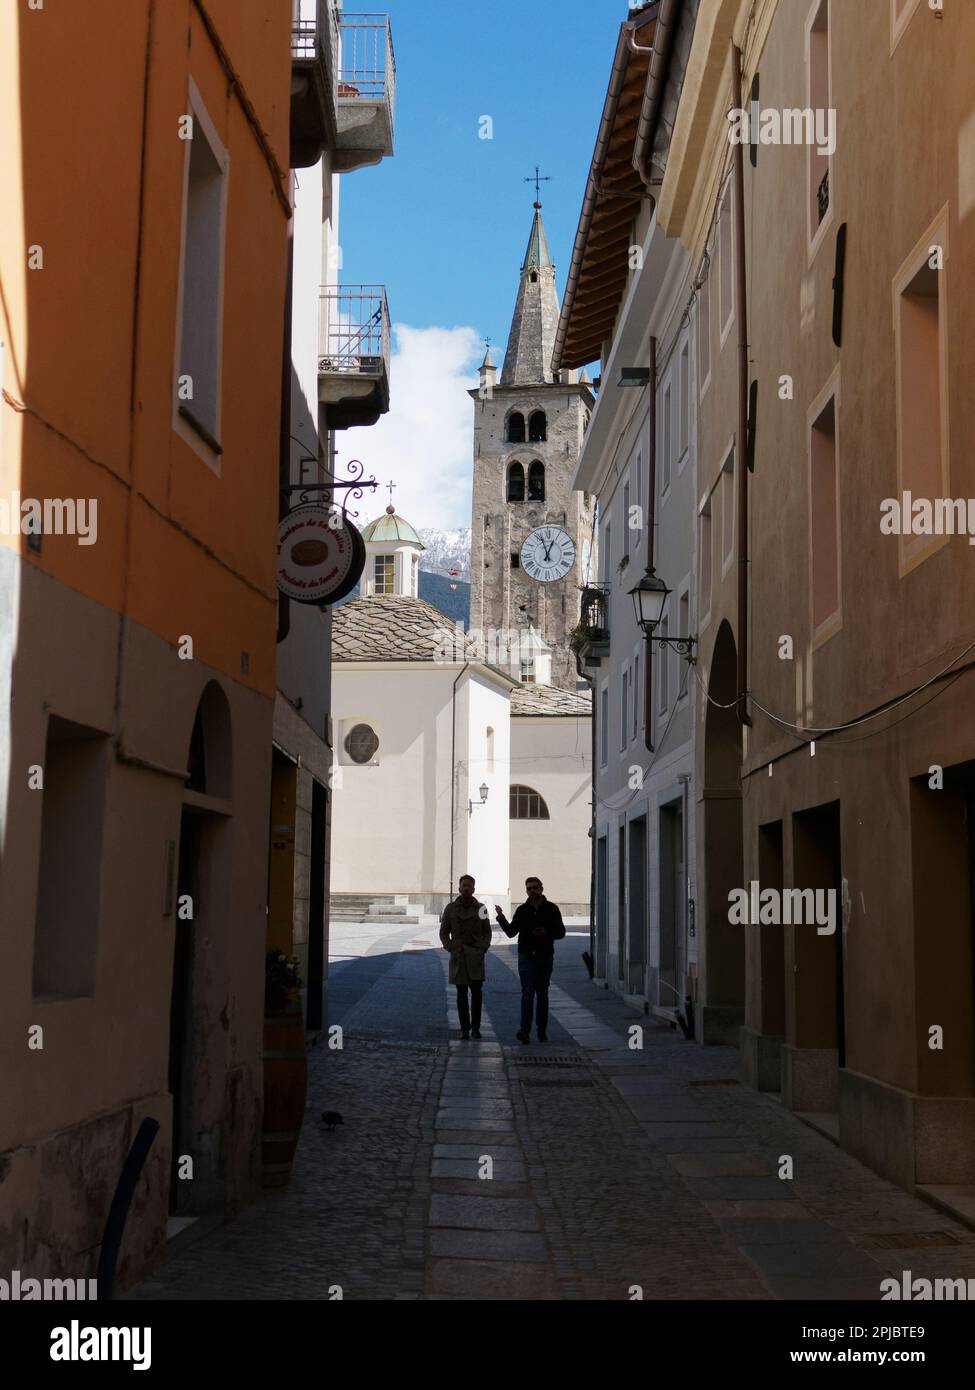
[[367, 70], [315, 42], [353, 330], [594, 612]]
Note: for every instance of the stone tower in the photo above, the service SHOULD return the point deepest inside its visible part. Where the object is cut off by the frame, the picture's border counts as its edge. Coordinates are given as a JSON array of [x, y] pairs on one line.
[[528, 430]]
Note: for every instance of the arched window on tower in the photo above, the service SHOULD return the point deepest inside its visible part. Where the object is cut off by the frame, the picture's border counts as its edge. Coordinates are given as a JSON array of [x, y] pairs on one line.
[[516, 483], [534, 277], [516, 428], [536, 427], [536, 482], [524, 803]]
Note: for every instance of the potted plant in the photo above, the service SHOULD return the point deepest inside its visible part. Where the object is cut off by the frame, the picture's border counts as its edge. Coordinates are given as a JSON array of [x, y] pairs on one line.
[[282, 983]]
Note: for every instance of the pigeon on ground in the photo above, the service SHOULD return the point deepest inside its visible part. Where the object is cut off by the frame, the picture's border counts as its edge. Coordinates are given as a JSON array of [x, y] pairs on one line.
[[331, 1118]]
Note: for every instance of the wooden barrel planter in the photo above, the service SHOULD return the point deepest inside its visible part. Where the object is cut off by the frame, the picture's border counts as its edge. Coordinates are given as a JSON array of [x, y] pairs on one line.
[[285, 1092]]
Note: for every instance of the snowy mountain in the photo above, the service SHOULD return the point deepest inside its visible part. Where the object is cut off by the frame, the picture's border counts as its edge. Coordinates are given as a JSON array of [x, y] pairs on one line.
[[447, 550]]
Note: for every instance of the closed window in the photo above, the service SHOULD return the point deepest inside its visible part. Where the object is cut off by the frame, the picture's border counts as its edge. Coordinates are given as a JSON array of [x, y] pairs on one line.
[[683, 431], [384, 568], [526, 804], [818, 94], [726, 296], [824, 536], [704, 331], [624, 696], [201, 307], [76, 761], [922, 402]]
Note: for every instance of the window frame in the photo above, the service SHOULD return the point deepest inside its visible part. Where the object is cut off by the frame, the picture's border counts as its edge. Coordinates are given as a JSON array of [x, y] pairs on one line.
[[833, 622], [189, 430], [816, 235], [727, 198], [936, 233]]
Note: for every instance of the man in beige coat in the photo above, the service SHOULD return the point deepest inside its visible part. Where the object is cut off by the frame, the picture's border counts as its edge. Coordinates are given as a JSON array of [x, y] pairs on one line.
[[466, 933]]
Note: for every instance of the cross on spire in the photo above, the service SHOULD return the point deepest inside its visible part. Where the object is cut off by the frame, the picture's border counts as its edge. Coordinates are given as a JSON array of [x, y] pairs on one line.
[[538, 179], [390, 485]]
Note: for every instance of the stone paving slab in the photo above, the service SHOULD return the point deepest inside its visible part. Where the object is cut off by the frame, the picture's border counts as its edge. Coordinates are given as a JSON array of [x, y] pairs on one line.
[[718, 1165], [520, 1246], [485, 1279], [483, 1213], [468, 1168], [480, 1187]]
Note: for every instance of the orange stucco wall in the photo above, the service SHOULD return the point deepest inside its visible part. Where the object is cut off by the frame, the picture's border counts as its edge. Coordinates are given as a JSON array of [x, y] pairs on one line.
[[93, 172]]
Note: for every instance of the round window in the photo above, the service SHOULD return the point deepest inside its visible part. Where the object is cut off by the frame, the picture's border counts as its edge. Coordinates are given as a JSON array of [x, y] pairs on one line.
[[361, 743]]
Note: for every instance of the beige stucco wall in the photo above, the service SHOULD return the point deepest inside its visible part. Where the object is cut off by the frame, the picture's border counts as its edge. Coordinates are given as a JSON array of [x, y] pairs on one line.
[[553, 757]]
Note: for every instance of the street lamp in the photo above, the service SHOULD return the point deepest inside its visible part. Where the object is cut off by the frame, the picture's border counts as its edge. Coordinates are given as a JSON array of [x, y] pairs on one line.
[[483, 789], [649, 598]]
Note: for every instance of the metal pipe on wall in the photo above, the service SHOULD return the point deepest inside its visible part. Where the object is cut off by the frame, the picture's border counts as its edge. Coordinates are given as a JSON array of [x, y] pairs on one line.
[[741, 286], [651, 522]]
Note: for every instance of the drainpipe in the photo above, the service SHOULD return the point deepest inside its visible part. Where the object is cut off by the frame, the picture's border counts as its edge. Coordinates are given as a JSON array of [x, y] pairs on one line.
[[740, 292], [651, 522], [663, 40], [453, 773]]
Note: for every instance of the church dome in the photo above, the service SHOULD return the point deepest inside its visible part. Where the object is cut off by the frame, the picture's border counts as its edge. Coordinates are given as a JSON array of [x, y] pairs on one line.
[[391, 527]]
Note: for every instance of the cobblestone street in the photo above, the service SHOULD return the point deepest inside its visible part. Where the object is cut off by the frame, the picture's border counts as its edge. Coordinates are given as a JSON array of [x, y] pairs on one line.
[[617, 1173]]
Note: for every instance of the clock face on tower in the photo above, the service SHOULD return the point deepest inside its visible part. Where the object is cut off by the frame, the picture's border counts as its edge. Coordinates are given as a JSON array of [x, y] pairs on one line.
[[547, 554]]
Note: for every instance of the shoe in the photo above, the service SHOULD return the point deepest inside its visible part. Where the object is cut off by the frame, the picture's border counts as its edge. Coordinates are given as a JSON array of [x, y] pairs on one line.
[[476, 1033], [464, 1035], [522, 1037], [543, 1037]]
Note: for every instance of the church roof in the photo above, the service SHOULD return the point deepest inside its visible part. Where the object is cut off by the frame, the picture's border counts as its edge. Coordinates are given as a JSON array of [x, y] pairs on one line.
[[395, 627], [390, 527], [528, 360], [550, 700]]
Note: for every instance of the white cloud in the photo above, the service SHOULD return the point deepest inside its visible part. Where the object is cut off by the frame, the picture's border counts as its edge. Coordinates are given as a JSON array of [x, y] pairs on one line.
[[424, 442]]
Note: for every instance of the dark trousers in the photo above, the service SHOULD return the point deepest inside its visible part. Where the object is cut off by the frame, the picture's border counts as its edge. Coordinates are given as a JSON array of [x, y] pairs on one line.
[[469, 1015], [535, 973]]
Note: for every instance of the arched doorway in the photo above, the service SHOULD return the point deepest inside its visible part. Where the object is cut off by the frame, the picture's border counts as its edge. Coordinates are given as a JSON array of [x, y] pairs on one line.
[[197, 1048], [722, 1005]]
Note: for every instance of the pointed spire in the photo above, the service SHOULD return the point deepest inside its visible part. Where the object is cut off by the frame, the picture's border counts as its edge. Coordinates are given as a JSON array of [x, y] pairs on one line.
[[528, 360], [488, 361], [537, 256]]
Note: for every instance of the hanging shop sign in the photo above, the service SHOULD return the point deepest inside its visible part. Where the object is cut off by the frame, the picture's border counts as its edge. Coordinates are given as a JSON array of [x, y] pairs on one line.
[[321, 555]]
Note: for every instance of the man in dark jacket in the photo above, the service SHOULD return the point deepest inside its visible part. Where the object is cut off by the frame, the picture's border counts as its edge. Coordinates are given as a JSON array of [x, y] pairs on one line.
[[537, 924]]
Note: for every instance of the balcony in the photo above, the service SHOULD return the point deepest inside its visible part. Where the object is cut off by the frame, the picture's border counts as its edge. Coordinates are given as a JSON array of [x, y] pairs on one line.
[[353, 354], [314, 85], [366, 93], [590, 637], [343, 89]]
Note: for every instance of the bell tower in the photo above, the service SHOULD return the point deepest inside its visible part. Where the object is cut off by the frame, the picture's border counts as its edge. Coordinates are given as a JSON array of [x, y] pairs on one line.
[[528, 429]]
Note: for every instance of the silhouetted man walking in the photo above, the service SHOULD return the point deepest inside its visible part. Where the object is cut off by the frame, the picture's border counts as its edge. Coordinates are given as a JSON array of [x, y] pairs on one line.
[[466, 933], [537, 924]]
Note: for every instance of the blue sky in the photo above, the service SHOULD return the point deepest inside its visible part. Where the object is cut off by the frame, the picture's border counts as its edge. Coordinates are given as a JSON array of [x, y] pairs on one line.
[[445, 222]]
